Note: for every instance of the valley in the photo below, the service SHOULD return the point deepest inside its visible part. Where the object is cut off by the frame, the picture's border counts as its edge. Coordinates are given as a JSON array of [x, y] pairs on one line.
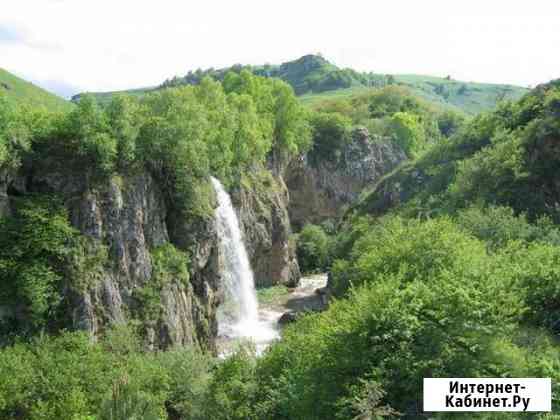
[[294, 241]]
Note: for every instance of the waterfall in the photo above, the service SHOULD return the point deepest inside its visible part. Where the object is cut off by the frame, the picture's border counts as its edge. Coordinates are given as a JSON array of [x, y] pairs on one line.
[[239, 316]]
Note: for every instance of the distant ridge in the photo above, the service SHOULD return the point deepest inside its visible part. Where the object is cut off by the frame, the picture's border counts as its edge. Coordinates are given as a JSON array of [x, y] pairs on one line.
[[314, 78]]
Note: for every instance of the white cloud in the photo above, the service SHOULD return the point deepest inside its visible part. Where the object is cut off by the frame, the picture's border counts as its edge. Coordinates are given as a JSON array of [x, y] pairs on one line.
[[108, 44]]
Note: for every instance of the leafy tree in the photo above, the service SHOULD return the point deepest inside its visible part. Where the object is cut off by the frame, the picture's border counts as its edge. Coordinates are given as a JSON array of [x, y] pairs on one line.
[[124, 116], [253, 135], [35, 247], [449, 123], [291, 130], [312, 249], [408, 133], [331, 132], [391, 100]]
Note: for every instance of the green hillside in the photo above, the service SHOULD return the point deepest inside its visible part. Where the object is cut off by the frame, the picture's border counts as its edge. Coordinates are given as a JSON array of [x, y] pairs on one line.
[[468, 97], [105, 97], [22, 92], [315, 79]]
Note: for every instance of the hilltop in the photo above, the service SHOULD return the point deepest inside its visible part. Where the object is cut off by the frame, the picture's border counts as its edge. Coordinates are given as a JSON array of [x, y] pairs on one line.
[[22, 92], [315, 79]]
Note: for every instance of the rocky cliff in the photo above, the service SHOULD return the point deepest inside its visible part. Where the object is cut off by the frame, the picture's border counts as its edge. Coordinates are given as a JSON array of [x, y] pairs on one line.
[[321, 189], [262, 200], [130, 218]]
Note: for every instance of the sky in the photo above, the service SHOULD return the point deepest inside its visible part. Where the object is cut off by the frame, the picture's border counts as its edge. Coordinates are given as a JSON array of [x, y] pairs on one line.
[[70, 46]]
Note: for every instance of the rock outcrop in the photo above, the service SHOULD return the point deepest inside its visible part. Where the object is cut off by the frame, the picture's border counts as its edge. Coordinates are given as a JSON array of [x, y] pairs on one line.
[[130, 218], [262, 202], [321, 189]]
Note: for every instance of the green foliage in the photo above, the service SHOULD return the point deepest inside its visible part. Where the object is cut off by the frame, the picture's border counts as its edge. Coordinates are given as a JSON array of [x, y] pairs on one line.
[[312, 249], [169, 266], [408, 133], [499, 225], [423, 299], [449, 122], [36, 244], [392, 112], [69, 377], [14, 134], [232, 388], [88, 127], [129, 403], [331, 132], [502, 158], [123, 115]]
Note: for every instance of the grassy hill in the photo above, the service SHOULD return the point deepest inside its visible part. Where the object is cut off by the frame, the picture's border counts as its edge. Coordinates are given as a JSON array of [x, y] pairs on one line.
[[315, 79], [22, 92], [105, 97], [468, 97]]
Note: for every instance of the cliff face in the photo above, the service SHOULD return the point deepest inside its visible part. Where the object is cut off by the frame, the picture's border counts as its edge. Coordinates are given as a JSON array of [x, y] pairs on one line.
[[322, 189], [262, 203], [129, 217]]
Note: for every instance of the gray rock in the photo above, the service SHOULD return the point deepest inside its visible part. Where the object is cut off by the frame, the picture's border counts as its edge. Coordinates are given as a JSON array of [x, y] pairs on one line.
[[264, 219], [323, 190], [288, 318]]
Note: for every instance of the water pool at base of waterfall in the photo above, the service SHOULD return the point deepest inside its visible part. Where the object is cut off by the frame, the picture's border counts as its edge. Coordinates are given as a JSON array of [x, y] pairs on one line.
[[260, 333]]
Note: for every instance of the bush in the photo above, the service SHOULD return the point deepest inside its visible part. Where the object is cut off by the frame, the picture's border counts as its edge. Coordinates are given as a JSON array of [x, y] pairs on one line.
[[423, 299], [331, 132], [499, 225], [312, 249], [232, 388], [69, 377], [408, 133], [36, 246]]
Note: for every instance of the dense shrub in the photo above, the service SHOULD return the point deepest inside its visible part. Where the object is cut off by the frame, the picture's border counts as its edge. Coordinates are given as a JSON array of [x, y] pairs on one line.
[[331, 132], [36, 248], [15, 133], [69, 377], [424, 299], [499, 225], [506, 157], [312, 249]]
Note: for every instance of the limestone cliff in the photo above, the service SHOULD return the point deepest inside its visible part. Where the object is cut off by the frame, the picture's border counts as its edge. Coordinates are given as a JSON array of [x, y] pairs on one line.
[[262, 201], [130, 217], [321, 189]]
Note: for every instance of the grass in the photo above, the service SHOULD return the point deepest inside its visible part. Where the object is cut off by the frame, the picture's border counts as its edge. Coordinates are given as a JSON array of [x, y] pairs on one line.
[[22, 92], [104, 98], [468, 97], [471, 97]]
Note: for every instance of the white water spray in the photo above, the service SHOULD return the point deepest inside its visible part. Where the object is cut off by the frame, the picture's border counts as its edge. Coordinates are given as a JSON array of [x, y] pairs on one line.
[[239, 317]]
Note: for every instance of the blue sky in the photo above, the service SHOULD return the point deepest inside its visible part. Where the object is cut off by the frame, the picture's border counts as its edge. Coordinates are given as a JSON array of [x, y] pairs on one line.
[[77, 45]]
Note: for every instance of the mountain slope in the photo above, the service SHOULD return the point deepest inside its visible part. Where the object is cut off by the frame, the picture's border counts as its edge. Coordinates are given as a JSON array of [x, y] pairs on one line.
[[314, 79], [508, 157], [22, 92]]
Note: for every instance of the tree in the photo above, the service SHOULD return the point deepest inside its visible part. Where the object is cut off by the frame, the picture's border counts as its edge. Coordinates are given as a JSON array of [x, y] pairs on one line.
[[312, 249], [331, 132], [408, 133]]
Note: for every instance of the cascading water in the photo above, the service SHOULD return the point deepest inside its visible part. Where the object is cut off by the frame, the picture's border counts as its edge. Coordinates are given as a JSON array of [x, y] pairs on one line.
[[239, 316]]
